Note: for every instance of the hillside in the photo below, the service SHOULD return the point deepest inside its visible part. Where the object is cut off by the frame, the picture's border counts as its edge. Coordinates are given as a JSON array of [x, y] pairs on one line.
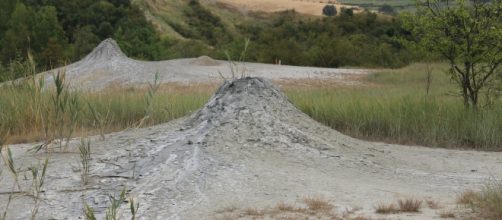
[[169, 16]]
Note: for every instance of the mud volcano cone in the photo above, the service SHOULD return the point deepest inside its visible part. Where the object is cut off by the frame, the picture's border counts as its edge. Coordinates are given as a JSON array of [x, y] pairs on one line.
[[106, 50]]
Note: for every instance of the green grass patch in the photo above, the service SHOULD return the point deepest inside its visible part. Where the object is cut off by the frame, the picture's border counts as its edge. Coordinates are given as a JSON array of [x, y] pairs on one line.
[[395, 108]]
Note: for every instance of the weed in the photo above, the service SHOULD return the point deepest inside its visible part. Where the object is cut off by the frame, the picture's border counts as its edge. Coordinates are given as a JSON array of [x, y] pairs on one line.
[[89, 212], [446, 214], [149, 100], [467, 197], [100, 121], [85, 158], [487, 203], [317, 204], [409, 205], [386, 209], [115, 203], [252, 212], [133, 207], [38, 179], [285, 207], [432, 204], [236, 70]]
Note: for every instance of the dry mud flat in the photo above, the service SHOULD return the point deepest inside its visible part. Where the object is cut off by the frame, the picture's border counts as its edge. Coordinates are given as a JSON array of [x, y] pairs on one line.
[[248, 147]]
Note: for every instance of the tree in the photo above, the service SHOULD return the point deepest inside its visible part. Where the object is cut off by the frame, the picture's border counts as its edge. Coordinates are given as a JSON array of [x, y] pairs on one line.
[[386, 9], [329, 10], [85, 41], [48, 37], [18, 37], [468, 35], [347, 11], [6, 8]]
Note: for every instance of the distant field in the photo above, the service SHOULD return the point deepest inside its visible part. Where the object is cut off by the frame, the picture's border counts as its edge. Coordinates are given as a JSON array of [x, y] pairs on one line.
[[309, 7], [398, 5]]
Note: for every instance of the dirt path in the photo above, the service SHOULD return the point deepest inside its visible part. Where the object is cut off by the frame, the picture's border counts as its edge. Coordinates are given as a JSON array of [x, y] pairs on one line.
[[248, 147]]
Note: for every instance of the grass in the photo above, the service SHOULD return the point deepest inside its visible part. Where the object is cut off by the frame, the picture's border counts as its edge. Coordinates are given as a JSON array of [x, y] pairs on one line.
[[85, 157], [305, 208], [403, 205], [409, 205], [103, 112], [486, 203], [447, 214], [386, 209], [393, 107]]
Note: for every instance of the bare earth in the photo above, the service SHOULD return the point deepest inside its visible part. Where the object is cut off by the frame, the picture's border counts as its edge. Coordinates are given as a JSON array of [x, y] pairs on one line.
[[310, 7], [247, 147]]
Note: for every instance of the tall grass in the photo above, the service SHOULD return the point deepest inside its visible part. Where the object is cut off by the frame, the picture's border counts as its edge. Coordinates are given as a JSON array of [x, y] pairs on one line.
[[120, 108], [394, 107]]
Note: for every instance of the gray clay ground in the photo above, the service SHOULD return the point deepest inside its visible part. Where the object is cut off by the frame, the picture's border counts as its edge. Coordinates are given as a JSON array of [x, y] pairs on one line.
[[249, 147], [107, 66]]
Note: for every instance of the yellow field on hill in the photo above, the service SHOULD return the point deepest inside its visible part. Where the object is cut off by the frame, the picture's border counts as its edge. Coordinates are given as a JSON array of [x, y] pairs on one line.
[[310, 7]]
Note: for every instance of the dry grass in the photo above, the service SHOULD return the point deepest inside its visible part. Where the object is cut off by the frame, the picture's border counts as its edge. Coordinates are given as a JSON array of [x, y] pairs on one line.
[[23, 118], [253, 212], [317, 204], [467, 197], [386, 209], [432, 204], [487, 203], [409, 205], [446, 214], [406, 205], [309, 207], [284, 207]]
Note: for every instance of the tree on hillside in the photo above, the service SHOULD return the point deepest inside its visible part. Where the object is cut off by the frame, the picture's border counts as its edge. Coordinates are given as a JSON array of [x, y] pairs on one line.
[[18, 37], [386, 9], [468, 35], [329, 10]]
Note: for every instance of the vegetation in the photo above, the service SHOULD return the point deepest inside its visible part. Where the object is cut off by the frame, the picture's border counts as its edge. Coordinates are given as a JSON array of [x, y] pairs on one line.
[[69, 30], [362, 39], [397, 5], [329, 10], [403, 205], [60, 31], [469, 36], [111, 110], [486, 203], [308, 207], [394, 107]]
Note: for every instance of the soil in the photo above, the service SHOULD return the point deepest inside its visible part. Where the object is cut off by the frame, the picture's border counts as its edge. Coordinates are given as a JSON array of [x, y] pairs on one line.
[[247, 147]]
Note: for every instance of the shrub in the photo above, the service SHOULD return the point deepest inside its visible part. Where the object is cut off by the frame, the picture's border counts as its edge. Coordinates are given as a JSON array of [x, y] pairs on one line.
[[329, 10]]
